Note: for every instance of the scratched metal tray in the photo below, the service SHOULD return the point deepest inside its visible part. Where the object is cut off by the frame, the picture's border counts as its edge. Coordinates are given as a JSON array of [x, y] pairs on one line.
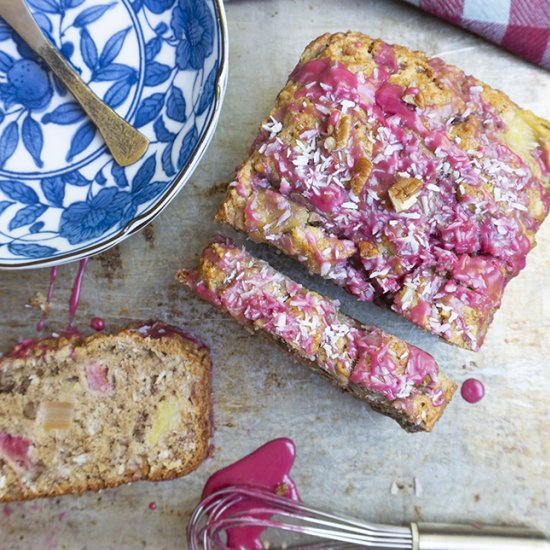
[[486, 462]]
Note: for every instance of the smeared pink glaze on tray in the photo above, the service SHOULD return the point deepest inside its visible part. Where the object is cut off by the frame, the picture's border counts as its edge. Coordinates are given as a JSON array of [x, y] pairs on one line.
[[268, 468]]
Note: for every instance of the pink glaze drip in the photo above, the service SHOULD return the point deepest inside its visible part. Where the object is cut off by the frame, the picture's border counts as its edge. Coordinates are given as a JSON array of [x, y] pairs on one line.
[[388, 98], [77, 288], [472, 390], [268, 468], [97, 324], [323, 71], [42, 322], [40, 346], [23, 348], [7, 511], [159, 329], [152, 506], [385, 56]]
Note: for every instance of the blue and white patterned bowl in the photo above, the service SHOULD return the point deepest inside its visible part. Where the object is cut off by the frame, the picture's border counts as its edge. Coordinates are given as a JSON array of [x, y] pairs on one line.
[[161, 64]]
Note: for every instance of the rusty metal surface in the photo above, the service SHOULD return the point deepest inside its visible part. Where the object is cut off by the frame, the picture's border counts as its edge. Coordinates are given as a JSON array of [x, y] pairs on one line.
[[486, 462]]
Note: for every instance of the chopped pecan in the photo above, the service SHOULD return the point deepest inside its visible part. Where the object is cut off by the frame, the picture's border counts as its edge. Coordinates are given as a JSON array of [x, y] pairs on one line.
[[404, 192]]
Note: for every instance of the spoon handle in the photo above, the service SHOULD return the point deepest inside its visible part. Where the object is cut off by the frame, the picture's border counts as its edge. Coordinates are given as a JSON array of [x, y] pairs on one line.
[[126, 144]]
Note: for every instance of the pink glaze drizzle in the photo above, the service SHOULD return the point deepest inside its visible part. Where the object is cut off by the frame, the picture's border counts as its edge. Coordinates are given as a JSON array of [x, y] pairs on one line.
[[159, 329], [42, 322], [309, 324], [77, 288], [268, 468], [472, 390], [468, 226]]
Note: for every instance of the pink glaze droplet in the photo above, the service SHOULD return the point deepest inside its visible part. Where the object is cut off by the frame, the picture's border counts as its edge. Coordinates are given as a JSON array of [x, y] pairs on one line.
[[97, 323], [77, 287], [268, 468], [8, 511], [152, 506], [472, 390]]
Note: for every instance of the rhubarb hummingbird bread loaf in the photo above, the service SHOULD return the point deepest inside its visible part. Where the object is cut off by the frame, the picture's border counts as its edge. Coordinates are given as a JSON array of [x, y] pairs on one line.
[[80, 414], [393, 377], [400, 178]]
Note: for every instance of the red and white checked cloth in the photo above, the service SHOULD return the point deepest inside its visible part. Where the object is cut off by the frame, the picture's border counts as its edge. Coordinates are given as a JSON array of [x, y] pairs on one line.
[[521, 26]]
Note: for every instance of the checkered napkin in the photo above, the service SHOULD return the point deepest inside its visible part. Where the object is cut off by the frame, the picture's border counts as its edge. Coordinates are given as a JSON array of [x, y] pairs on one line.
[[521, 26]]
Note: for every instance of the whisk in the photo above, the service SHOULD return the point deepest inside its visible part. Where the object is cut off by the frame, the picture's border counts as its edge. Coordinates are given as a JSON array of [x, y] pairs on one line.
[[251, 507]]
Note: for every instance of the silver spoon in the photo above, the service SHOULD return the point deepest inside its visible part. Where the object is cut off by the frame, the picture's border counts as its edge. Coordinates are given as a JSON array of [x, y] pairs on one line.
[[126, 144]]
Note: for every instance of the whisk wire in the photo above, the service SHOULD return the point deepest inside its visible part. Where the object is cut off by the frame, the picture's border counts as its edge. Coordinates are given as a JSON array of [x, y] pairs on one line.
[[332, 534], [219, 513]]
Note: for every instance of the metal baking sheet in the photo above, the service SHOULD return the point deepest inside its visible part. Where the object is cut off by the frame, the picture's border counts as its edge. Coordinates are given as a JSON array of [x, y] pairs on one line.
[[488, 462]]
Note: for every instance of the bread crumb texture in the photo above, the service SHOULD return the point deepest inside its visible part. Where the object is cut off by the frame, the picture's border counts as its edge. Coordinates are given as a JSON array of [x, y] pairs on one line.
[[80, 414]]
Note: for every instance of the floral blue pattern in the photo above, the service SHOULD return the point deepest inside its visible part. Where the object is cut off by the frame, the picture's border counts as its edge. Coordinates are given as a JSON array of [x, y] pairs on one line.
[[60, 191], [193, 21]]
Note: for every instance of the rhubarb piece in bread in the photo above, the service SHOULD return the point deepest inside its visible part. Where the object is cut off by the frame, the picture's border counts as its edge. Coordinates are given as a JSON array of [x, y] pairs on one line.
[[399, 178], [393, 377], [80, 414]]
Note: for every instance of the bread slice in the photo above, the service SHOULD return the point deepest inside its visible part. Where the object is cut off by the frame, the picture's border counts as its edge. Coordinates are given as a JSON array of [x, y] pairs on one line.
[[399, 178], [79, 414], [393, 377]]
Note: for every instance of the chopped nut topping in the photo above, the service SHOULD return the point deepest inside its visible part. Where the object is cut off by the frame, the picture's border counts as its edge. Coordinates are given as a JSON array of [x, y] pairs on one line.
[[465, 191], [314, 218], [409, 99], [330, 143], [259, 166], [404, 192], [342, 131], [363, 167], [368, 250], [282, 489], [39, 301]]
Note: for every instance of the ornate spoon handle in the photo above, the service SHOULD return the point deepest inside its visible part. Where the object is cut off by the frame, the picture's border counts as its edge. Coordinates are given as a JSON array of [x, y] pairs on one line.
[[126, 144]]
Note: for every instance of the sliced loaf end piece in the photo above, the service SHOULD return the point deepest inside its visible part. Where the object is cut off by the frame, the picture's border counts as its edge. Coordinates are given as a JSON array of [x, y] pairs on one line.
[[81, 414]]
